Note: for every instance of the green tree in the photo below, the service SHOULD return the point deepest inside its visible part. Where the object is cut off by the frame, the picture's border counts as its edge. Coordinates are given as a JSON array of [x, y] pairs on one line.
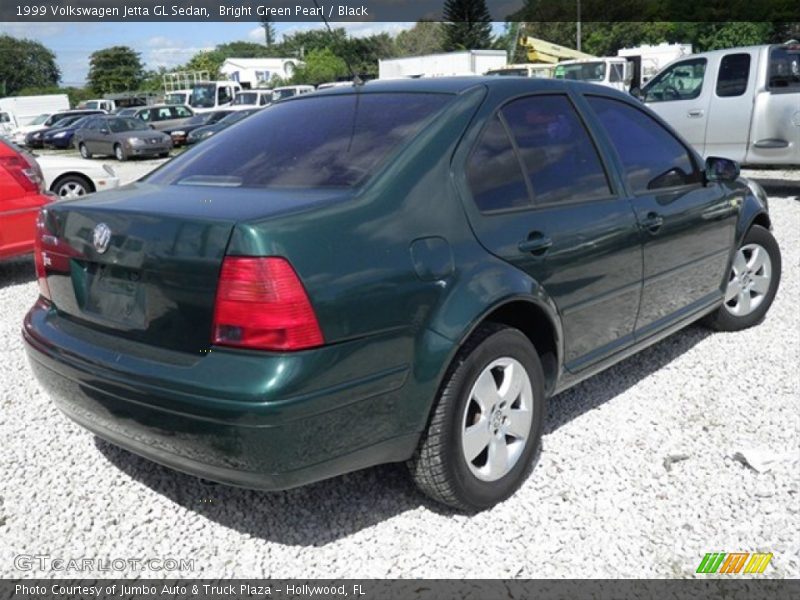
[[469, 25], [25, 63], [320, 66], [269, 31], [115, 69], [207, 60], [426, 37]]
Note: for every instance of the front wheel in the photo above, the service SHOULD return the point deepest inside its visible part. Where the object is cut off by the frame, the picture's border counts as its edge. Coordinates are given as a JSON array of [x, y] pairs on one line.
[[119, 152], [487, 422], [84, 150], [752, 282]]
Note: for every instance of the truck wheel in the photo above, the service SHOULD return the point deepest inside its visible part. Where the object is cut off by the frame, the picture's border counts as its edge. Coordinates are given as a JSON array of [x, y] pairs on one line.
[[752, 282], [487, 422]]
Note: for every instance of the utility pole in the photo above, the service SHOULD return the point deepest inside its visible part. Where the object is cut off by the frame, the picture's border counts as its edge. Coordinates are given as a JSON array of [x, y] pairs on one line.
[[579, 26]]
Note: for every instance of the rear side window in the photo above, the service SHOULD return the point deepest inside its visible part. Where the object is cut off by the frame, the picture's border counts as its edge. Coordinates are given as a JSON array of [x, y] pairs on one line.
[[784, 68], [559, 157], [331, 141], [652, 157], [734, 72], [494, 173]]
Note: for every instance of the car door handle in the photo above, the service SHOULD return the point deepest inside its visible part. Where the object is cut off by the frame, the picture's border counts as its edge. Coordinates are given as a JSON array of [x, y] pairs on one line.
[[652, 222], [695, 113], [536, 244]]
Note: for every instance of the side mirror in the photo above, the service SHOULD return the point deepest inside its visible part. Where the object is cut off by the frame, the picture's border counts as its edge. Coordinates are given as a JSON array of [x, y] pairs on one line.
[[721, 169]]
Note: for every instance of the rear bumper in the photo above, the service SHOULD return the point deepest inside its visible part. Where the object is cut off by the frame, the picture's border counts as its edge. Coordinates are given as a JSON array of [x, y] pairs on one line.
[[266, 422]]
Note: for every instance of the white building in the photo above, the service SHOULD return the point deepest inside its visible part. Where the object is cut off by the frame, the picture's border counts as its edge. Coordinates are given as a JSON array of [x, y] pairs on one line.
[[468, 62], [255, 72]]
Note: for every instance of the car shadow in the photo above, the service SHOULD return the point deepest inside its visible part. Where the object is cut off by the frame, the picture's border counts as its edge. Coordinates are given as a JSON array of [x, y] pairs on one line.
[[608, 384], [321, 513], [778, 187], [17, 270]]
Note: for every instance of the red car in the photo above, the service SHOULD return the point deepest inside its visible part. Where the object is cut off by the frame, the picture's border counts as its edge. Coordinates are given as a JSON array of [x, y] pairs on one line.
[[21, 197]]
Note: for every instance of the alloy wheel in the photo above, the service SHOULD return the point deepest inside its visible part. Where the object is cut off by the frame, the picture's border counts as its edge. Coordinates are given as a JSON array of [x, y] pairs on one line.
[[750, 278], [497, 419], [71, 190]]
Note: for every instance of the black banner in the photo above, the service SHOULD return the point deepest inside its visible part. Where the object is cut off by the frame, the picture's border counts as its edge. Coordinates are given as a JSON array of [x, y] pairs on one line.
[[732, 588], [396, 10]]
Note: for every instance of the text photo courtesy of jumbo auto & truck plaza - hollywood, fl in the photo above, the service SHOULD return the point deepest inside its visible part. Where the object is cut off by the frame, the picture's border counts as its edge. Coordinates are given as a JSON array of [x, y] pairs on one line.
[[430, 299]]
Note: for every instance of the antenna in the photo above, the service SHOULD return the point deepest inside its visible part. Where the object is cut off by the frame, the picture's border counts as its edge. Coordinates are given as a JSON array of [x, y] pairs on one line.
[[356, 79]]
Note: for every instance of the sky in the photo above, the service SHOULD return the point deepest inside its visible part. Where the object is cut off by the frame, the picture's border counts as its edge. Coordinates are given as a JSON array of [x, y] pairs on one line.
[[166, 44]]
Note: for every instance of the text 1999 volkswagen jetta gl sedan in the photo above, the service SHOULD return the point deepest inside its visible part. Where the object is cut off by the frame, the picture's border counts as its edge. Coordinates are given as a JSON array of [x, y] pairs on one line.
[[401, 271]]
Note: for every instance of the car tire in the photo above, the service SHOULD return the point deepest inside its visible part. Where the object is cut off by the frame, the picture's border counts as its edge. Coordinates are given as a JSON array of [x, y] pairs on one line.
[[84, 150], [71, 187], [163, 155], [119, 153], [449, 464], [752, 283]]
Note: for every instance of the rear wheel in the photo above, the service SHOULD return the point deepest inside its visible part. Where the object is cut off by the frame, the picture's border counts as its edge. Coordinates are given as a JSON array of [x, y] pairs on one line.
[[487, 422], [84, 150], [119, 152], [752, 282]]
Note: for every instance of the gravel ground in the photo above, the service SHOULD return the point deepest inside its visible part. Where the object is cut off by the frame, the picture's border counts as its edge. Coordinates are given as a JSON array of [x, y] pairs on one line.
[[636, 478]]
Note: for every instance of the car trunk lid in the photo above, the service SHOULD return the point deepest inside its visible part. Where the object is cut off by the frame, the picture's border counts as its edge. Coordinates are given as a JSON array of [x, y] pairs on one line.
[[143, 262]]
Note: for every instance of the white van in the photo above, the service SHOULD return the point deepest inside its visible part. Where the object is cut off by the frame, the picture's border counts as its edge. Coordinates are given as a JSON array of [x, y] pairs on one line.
[[251, 99], [7, 123], [287, 91], [213, 95], [178, 97], [740, 103]]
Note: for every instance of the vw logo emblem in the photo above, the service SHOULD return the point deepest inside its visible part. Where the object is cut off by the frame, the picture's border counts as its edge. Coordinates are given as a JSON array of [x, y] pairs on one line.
[[101, 237]]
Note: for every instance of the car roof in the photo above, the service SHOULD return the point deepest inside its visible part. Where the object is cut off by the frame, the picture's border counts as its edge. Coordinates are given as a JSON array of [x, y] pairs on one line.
[[457, 85]]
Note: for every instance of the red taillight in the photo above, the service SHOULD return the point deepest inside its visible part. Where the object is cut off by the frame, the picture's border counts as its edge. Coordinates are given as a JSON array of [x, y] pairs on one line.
[[25, 172], [40, 257], [261, 304]]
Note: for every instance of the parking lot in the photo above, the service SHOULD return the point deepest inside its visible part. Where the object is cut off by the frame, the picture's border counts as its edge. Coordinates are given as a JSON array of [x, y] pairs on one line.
[[642, 471]]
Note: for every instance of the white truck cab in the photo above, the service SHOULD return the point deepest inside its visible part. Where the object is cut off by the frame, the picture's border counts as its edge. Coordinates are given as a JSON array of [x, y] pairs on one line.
[[739, 103], [178, 97], [99, 104], [615, 72], [251, 99]]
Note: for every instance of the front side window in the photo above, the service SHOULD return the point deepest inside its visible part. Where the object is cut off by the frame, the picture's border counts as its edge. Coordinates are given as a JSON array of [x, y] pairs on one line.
[[334, 141], [223, 95], [784, 68], [494, 173], [681, 81], [557, 153], [652, 157], [734, 72], [144, 116]]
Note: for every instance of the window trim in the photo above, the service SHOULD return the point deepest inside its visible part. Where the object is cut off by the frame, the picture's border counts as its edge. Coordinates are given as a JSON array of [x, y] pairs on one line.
[[498, 211], [533, 203], [747, 81], [693, 156], [690, 58]]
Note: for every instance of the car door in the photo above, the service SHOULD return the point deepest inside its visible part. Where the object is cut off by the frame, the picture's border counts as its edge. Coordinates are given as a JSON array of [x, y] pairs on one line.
[[687, 226], [90, 135], [678, 95], [105, 138], [731, 108], [547, 204]]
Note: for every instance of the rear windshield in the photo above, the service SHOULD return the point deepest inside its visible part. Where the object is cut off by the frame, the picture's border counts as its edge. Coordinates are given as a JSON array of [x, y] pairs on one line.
[[329, 141], [784, 68]]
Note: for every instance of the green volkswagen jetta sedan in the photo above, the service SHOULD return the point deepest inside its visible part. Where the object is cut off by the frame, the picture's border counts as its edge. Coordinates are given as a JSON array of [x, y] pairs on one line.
[[401, 271]]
